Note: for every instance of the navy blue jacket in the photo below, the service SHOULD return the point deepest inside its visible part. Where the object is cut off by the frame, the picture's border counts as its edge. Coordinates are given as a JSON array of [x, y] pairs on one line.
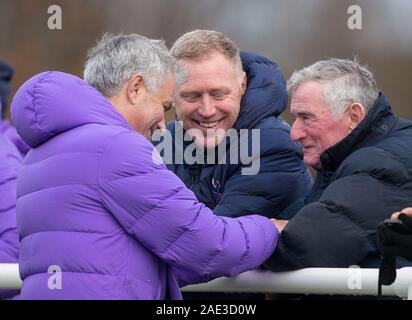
[[367, 176], [283, 177]]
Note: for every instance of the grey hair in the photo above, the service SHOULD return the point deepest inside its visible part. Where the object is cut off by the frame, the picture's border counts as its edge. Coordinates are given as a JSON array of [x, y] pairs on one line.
[[199, 44], [345, 81], [116, 58]]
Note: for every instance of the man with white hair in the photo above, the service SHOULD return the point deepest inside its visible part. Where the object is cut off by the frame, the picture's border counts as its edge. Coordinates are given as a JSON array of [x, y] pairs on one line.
[[363, 157]]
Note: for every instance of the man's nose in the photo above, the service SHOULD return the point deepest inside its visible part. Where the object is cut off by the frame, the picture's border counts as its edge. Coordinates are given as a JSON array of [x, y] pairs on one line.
[[207, 108], [297, 133], [161, 125]]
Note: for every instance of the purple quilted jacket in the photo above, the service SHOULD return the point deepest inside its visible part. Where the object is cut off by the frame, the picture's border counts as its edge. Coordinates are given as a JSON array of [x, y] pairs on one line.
[[94, 200], [10, 163]]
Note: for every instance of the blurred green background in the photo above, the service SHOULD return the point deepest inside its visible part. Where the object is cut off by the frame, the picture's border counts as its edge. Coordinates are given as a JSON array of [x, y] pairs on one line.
[[294, 33]]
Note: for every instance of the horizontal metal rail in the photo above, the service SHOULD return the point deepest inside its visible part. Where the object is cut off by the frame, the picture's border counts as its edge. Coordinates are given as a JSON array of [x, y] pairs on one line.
[[9, 276], [324, 281]]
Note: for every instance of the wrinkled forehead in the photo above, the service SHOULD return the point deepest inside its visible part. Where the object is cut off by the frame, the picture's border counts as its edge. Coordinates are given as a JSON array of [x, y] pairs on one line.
[[206, 54], [210, 75], [208, 61], [309, 97]]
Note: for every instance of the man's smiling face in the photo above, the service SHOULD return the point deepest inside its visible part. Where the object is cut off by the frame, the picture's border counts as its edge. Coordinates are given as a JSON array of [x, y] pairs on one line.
[[209, 100]]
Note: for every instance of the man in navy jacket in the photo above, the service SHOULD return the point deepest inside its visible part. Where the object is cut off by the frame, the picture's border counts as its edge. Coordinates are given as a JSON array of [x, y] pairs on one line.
[[230, 103], [362, 152]]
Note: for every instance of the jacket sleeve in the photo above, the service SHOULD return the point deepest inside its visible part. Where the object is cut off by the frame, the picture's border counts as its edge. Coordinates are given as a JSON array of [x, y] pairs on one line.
[[156, 208], [339, 230], [281, 180]]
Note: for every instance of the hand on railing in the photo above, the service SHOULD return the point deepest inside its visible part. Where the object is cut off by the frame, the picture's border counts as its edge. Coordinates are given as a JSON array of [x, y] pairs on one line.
[[280, 224], [395, 235]]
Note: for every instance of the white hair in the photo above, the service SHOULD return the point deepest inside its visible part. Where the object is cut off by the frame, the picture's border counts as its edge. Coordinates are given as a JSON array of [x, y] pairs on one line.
[[345, 81], [116, 58]]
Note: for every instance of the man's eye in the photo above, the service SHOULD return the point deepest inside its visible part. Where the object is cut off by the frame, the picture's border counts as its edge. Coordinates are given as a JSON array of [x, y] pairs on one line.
[[306, 118], [218, 95], [190, 97]]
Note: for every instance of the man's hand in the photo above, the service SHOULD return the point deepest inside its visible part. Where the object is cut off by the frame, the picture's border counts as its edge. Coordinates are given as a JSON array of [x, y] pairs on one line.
[[280, 224], [394, 242], [407, 211]]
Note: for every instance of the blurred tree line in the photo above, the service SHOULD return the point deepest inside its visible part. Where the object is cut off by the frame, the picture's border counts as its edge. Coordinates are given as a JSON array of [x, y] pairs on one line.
[[294, 33]]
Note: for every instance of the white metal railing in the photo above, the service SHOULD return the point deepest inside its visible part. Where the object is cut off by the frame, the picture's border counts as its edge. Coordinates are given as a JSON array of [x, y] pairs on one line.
[[325, 281], [9, 276], [333, 281]]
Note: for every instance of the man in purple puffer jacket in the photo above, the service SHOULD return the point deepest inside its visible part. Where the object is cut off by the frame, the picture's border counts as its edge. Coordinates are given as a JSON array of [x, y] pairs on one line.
[[99, 214]]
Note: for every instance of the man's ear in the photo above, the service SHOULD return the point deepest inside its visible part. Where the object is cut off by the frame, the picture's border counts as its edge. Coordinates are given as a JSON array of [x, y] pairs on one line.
[[244, 84], [134, 88], [356, 114]]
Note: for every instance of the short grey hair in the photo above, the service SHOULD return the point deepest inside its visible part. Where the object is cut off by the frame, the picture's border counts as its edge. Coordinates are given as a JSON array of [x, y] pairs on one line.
[[199, 44], [116, 58], [346, 82]]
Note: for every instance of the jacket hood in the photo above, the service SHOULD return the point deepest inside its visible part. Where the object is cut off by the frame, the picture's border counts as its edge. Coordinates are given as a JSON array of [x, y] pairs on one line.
[[266, 93], [53, 102]]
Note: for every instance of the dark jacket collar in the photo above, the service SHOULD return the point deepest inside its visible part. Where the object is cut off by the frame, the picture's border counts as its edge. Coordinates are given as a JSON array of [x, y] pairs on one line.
[[377, 123]]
